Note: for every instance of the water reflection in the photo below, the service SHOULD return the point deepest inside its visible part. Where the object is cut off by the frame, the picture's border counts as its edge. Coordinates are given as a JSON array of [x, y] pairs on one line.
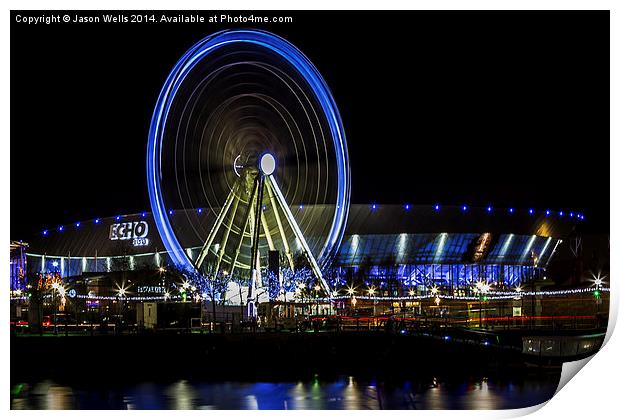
[[345, 392]]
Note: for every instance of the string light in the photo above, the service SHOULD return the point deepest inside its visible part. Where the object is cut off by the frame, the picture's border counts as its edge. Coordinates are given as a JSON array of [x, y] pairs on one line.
[[373, 206]]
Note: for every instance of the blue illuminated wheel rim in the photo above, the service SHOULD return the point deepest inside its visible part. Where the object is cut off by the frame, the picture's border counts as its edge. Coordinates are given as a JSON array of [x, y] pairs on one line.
[[307, 70]]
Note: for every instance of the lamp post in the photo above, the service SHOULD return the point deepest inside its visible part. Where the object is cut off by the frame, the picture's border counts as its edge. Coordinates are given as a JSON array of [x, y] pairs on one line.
[[371, 294], [54, 288], [479, 290], [483, 289], [121, 296], [316, 294], [411, 294], [598, 283], [351, 293]]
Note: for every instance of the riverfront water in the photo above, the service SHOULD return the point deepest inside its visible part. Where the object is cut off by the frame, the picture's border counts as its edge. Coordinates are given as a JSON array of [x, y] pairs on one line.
[[343, 392]]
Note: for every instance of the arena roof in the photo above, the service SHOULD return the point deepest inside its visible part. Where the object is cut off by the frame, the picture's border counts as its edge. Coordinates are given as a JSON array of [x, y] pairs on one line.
[[93, 238]]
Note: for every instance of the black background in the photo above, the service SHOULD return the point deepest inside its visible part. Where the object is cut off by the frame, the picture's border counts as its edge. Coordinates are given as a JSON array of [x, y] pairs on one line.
[[477, 108]]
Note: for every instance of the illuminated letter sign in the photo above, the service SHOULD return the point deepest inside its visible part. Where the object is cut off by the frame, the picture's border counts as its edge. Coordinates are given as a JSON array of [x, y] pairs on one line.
[[129, 230]]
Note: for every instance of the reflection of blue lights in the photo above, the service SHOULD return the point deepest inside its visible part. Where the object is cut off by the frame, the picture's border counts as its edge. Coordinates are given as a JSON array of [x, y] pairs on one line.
[[165, 101], [301, 207]]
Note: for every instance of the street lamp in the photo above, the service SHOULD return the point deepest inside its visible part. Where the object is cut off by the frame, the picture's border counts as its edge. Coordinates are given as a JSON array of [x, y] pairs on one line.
[[371, 294], [55, 286], [317, 288], [483, 289], [351, 293], [598, 283]]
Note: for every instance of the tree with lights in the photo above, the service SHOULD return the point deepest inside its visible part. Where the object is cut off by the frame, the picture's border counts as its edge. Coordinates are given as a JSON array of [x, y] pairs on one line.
[[273, 283], [200, 285]]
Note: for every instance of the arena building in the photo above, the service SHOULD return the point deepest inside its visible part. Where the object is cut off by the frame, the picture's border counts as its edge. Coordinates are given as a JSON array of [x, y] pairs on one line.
[[396, 247]]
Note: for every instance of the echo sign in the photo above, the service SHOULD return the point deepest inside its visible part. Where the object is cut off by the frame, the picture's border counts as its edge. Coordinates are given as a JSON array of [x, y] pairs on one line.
[[134, 231]]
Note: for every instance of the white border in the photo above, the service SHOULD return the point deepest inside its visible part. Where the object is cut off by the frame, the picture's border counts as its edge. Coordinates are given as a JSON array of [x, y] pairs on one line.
[[592, 394]]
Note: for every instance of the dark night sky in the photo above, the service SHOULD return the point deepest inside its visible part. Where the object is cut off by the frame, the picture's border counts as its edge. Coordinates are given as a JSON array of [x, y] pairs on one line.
[[501, 108]]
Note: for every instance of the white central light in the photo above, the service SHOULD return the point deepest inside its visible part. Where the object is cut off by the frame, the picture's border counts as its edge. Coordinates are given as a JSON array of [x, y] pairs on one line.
[[267, 164]]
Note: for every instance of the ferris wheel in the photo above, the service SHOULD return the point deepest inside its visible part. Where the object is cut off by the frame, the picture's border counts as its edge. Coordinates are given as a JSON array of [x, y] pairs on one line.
[[247, 148]]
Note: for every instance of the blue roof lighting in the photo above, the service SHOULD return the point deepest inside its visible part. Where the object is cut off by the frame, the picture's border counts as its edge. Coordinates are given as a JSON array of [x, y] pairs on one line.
[[548, 212], [61, 228], [373, 206], [436, 207], [77, 224], [561, 213], [531, 211], [45, 232], [200, 211], [407, 206], [143, 214], [301, 207], [511, 210], [571, 214], [97, 221], [118, 217], [464, 208], [489, 209], [170, 212]]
